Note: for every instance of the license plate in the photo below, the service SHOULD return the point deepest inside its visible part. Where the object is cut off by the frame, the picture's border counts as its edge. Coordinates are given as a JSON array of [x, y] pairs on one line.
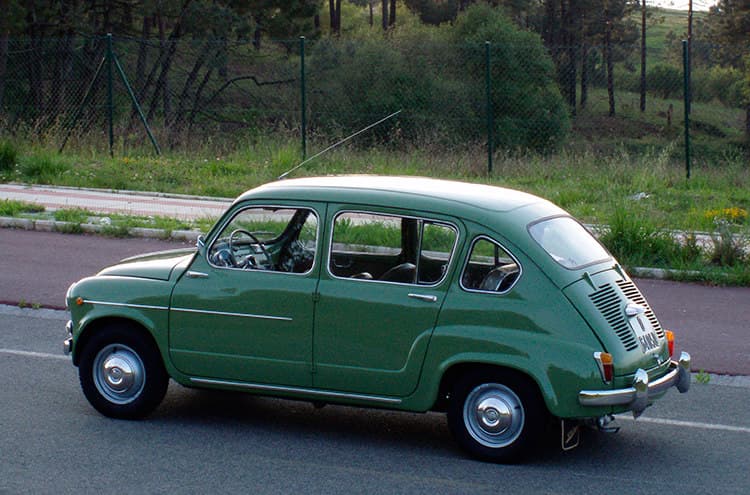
[[644, 332]]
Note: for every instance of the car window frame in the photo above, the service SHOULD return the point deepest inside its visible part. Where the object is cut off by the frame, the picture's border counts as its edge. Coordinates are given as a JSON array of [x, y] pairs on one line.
[[449, 263], [228, 219], [549, 255], [468, 258]]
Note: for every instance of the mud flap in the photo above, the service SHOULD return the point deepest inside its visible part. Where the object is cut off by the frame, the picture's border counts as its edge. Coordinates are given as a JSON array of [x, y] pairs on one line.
[[571, 434]]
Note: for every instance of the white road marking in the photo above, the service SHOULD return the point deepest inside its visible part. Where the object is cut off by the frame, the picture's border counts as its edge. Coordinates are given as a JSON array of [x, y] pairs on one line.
[[688, 424], [43, 355]]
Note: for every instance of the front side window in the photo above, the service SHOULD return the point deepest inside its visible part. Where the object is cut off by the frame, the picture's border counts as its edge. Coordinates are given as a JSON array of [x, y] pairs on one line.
[[275, 239], [489, 268], [568, 242], [391, 248]]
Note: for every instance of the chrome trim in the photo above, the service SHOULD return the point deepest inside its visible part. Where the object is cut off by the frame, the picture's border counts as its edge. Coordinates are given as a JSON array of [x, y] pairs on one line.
[[423, 297], [638, 397], [68, 346], [125, 305], [194, 274], [600, 364], [633, 309], [296, 390], [187, 310], [466, 263], [224, 313]]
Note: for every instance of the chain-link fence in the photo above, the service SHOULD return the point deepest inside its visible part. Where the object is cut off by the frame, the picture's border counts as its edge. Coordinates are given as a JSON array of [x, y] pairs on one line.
[[503, 96]]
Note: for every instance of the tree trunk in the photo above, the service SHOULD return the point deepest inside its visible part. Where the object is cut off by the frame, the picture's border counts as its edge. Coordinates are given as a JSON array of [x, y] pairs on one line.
[[162, 85], [392, 16], [3, 65], [643, 57], [371, 13], [747, 123], [189, 81], [385, 14], [610, 66], [584, 73], [140, 65]]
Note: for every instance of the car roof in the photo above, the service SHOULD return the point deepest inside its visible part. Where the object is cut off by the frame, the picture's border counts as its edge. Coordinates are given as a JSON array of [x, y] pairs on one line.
[[408, 192]]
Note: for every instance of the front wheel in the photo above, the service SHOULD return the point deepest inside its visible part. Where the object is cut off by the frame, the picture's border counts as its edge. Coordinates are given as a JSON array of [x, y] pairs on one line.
[[122, 374], [496, 418]]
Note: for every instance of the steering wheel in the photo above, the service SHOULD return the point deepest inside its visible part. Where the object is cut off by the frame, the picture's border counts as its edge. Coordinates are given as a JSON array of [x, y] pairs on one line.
[[252, 237]]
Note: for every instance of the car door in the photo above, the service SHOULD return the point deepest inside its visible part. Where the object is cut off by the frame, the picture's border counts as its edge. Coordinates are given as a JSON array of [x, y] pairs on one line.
[[243, 311], [379, 298]]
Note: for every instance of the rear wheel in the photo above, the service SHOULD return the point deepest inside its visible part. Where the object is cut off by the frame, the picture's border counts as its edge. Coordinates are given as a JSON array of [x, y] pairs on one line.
[[496, 417], [121, 373]]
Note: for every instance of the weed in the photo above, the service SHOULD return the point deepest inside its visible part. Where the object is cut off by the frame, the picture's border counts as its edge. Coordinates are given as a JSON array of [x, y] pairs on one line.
[[13, 208], [702, 377], [729, 249], [22, 303], [42, 169], [36, 305], [74, 215], [69, 228], [8, 156]]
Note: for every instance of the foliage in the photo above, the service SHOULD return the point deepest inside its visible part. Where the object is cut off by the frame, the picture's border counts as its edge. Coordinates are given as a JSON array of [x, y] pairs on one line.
[[13, 208], [729, 248], [8, 156], [665, 80]]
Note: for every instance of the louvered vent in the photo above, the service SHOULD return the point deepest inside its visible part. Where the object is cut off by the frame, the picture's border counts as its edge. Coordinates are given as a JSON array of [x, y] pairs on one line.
[[609, 303], [633, 294]]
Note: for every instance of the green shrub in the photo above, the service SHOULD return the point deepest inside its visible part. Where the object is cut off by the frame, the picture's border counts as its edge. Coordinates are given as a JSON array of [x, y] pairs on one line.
[[724, 84], [8, 156], [42, 169], [12, 208], [665, 80]]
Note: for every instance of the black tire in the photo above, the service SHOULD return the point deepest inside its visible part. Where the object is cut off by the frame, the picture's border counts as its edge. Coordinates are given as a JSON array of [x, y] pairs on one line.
[[496, 417], [121, 372]]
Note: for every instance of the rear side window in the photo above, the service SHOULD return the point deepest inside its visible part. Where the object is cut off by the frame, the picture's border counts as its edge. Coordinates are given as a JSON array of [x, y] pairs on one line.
[[489, 268], [391, 248], [568, 242]]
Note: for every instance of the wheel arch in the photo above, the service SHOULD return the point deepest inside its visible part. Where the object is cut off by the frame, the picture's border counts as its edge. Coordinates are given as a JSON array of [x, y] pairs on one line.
[[457, 370], [94, 326]]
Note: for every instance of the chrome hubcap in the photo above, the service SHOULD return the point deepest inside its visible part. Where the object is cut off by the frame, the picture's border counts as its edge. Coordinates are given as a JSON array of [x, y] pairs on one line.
[[493, 415], [119, 374]]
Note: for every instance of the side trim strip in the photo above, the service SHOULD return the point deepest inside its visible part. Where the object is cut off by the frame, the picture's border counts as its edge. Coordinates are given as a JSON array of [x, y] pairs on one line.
[[299, 390], [186, 310], [125, 305], [240, 315]]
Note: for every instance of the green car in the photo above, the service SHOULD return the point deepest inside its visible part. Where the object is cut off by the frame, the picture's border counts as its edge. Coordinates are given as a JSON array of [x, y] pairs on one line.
[[414, 294]]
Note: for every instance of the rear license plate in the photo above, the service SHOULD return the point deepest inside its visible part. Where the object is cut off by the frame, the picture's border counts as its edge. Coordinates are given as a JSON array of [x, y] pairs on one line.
[[644, 332]]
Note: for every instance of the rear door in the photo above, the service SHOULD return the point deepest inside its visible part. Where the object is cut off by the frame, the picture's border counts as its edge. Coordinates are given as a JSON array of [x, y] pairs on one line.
[[379, 297]]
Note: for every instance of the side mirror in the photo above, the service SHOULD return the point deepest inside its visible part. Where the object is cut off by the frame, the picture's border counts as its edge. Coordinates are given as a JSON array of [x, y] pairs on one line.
[[201, 244]]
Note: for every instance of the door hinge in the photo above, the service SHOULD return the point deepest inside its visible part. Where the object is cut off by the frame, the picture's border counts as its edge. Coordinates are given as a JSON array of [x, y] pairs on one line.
[[316, 296]]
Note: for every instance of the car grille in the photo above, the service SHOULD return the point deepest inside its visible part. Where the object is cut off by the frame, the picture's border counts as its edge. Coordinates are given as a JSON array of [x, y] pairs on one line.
[[610, 304], [633, 294]]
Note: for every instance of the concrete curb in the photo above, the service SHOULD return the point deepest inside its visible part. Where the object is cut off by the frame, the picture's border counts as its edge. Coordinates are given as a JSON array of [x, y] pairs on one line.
[[90, 228], [147, 194]]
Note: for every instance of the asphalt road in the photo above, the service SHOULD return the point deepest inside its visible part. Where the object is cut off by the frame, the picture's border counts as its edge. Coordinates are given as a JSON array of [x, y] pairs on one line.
[[52, 441], [712, 323]]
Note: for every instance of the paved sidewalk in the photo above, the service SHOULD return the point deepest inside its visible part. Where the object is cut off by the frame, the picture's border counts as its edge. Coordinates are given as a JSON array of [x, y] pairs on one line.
[[110, 201]]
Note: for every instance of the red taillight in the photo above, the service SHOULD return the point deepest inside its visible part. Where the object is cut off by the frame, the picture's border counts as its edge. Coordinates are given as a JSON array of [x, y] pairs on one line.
[[606, 366], [670, 341]]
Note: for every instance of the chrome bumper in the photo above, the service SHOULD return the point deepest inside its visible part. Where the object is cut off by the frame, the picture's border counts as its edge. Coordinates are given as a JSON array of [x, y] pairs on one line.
[[68, 343], [638, 397]]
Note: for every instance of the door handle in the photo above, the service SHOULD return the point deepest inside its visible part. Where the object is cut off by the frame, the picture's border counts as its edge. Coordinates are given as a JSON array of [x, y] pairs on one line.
[[424, 297], [192, 274]]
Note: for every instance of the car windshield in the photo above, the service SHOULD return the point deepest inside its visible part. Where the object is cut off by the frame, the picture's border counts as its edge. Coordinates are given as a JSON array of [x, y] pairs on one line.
[[568, 242]]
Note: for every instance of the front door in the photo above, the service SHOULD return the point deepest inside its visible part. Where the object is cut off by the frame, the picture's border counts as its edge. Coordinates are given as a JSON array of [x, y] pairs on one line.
[[379, 299], [244, 310]]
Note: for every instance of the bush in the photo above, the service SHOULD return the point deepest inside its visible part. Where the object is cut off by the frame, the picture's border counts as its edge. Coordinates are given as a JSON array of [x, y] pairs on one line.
[[8, 156], [724, 84], [438, 81], [665, 80]]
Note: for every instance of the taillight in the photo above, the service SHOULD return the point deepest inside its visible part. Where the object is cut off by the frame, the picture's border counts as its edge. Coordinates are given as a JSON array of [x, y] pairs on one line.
[[670, 341], [606, 365]]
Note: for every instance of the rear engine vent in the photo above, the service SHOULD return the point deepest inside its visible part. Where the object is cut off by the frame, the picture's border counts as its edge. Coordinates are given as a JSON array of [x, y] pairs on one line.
[[632, 293], [610, 304]]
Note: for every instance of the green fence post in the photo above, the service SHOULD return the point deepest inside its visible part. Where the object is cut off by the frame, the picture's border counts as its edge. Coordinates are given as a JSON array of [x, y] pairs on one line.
[[110, 103], [490, 123], [686, 97], [303, 91]]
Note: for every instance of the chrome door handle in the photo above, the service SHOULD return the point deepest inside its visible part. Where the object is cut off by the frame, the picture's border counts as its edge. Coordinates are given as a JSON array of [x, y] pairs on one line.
[[424, 297], [192, 274]]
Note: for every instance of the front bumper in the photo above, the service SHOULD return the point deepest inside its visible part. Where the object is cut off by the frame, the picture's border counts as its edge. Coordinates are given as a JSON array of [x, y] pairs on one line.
[[638, 397], [68, 343]]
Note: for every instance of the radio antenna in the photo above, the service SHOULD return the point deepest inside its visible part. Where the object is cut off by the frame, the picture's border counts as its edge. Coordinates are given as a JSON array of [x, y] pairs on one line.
[[282, 176]]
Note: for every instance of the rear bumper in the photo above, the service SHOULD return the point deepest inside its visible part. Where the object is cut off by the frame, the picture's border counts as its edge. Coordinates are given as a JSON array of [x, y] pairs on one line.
[[639, 396]]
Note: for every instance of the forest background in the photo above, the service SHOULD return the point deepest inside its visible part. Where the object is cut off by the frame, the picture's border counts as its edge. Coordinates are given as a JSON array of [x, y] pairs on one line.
[[581, 101]]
